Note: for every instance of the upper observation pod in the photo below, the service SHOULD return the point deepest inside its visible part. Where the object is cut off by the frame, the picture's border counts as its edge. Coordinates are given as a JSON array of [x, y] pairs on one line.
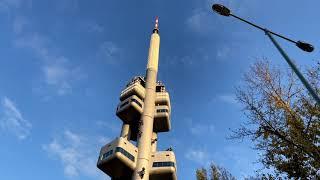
[[156, 26]]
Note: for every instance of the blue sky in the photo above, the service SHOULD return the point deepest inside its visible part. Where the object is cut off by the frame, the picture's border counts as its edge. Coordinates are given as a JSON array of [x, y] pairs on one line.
[[64, 62]]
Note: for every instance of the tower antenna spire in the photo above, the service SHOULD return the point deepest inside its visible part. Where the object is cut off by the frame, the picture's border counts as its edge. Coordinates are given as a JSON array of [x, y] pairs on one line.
[[156, 25]]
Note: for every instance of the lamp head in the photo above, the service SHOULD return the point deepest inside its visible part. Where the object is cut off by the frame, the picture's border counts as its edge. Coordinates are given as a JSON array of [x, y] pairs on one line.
[[220, 9], [305, 46]]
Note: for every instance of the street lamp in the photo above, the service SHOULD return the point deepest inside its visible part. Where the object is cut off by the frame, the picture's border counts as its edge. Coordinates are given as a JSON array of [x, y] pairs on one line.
[[224, 11]]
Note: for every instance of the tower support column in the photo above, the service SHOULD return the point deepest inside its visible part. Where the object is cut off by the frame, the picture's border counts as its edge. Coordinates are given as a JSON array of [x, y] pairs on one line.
[[125, 131], [146, 122], [146, 128], [154, 142]]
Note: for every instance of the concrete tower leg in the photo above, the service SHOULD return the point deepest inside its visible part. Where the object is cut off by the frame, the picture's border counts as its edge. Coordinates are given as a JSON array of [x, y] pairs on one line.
[[125, 131], [154, 142]]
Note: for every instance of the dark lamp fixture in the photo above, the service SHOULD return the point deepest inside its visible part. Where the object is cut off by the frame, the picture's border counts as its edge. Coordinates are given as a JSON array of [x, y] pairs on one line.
[[220, 9], [305, 46]]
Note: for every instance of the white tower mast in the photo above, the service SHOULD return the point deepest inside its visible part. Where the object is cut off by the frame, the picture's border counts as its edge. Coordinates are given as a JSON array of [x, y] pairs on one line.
[[146, 122]]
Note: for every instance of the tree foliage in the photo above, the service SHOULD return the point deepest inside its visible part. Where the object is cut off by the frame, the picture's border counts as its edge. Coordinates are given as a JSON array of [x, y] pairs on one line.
[[283, 119], [215, 173], [201, 174]]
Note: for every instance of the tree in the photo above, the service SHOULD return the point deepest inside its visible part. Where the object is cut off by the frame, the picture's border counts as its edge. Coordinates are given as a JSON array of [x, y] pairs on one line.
[[283, 120], [201, 174], [215, 173]]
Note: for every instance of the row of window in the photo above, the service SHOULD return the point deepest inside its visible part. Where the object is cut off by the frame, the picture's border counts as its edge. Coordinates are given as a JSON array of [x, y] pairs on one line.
[[125, 103], [162, 110], [133, 100], [138, 79], [163, 164], [139, 104], [131, 157], [125, 153], [142, 81], [118, 149], [160, 88], [136, 101], [106, 155]]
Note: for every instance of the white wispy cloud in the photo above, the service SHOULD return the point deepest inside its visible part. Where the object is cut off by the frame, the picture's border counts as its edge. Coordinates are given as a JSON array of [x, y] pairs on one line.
[[197, 155], [111, 126], [186, 60], [103, 140], [243, 158], [36, 43], [56, 75], [19, 24], [69, 6], [199, 21], [203, 22], [57, 71], [109, 52], [77, 153], [93, 27], [12, 120], [223, 52], [202, 19], [200, 129], [11, 7], [61, 75], [227, 98], [8, 4]]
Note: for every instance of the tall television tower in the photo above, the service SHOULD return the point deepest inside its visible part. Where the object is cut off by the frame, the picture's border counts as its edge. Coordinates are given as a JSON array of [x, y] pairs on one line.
[[145, 110]]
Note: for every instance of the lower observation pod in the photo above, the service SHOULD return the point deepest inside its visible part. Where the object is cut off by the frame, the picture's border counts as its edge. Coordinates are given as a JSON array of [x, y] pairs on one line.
[[161, 119], [118, 159], [163, 166]]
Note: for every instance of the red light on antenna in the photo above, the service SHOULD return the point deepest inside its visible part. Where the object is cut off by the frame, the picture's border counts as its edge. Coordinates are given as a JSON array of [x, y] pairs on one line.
[[157, 23]]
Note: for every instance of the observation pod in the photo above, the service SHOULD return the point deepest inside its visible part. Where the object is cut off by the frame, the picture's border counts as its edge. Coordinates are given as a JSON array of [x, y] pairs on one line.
[[118, 158], [130, 109], [135, 87], [163, 166], [131, 105]]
